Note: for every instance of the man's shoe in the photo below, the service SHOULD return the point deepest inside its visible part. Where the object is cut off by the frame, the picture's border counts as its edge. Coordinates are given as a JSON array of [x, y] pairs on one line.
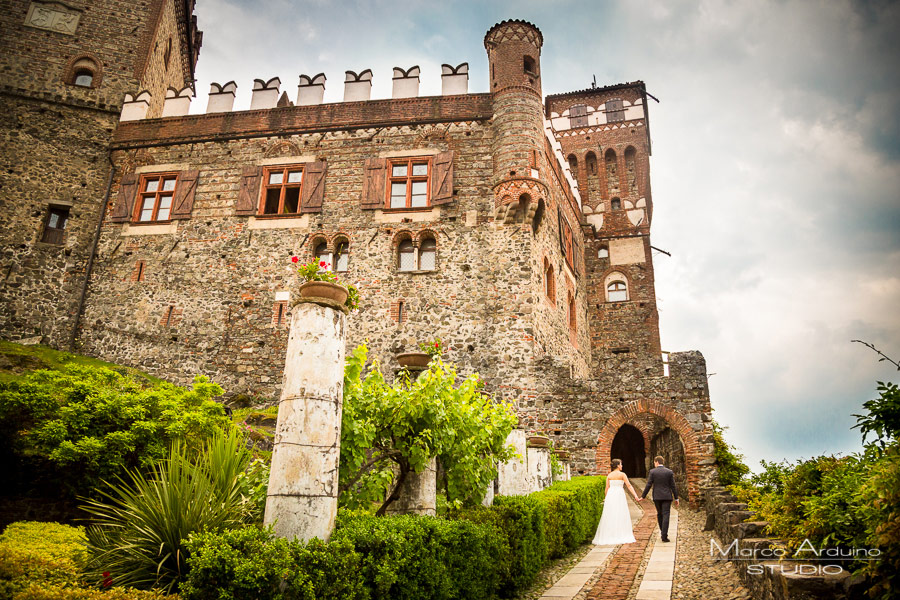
[[665, 539]]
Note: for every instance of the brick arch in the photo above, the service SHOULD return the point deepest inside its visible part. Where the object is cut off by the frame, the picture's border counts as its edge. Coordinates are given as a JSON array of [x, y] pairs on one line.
[[676, 421]]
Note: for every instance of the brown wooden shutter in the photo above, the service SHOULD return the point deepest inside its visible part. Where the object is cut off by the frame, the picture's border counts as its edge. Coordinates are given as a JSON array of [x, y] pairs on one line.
[[313, 187], [125, 201], [442, 178], [248, 199], [183, 203], [373, 185]]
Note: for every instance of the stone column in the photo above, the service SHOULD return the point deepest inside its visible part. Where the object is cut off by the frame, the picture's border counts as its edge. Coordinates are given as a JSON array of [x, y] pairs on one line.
[[512, 475], [418, 495], [539, 468], [303, 484]]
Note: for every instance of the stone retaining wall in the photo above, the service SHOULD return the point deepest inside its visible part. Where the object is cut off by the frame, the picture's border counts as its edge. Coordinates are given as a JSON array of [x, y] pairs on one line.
[[765, 576]]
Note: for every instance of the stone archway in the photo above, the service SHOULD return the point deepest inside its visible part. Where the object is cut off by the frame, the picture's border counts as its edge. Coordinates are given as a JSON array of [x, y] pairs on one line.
[[676, 422], [629, 446], [668, 444]]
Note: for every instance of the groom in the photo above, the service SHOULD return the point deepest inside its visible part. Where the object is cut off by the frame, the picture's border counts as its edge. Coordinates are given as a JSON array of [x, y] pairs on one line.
[[662, 480]]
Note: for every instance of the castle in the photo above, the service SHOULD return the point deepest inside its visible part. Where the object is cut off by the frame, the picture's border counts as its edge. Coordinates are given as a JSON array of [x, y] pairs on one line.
[[513, 226]]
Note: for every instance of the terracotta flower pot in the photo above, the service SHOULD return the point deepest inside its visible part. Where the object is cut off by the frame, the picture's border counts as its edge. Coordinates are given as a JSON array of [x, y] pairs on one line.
[[324, 289], [538, 441], [414, 359], [562, 454]]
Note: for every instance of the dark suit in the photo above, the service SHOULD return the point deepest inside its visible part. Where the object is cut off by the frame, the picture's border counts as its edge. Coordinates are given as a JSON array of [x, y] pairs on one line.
[[662, 480]]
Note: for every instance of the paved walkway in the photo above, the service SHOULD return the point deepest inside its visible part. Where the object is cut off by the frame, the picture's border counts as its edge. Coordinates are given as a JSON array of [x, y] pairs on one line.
[[618, 566]]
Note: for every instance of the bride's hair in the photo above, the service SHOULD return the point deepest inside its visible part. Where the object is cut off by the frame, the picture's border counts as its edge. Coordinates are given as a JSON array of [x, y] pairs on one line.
[[616, 463]]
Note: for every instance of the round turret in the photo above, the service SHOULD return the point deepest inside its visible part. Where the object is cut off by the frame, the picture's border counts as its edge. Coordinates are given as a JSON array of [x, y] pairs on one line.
[[514, 54]]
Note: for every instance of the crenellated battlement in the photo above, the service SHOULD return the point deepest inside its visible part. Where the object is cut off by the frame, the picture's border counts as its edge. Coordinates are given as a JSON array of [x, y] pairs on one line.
[[267, 94]]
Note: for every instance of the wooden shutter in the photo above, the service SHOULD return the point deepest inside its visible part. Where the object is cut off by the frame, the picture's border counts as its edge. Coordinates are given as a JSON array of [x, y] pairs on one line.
[[125, 200], [313, 187], [248, 198], [442, 178], [373, 184], [183, 203]]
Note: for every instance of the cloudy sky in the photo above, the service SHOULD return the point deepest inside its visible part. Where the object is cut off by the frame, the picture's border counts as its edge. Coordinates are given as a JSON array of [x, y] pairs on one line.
[[775, 168]]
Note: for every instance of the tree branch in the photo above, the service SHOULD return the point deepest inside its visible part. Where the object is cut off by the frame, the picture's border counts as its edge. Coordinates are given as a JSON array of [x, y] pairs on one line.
[[365, 468], [882, 354]]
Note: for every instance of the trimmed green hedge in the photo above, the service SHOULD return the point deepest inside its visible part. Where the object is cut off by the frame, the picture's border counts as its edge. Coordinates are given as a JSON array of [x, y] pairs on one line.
[[45, 561], [477, 554]]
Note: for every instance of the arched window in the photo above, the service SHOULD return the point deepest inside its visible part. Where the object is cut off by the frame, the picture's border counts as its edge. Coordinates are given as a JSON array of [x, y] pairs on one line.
[[323, 255], [573, 165], [630, 170], [84, 72], [612, 175], [549, 282], [615, 204], [406, 256], [427, 254], [616, 291], [538, 216], [342, 256], [573, 318], [529, 65], [590, 161]]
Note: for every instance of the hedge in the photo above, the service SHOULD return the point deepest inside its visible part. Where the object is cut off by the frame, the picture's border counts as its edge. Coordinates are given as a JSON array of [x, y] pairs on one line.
[[45, 561], [479, 553]]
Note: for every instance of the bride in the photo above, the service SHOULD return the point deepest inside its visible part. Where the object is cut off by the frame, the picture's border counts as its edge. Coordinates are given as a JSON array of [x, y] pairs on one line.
[[615, 521]]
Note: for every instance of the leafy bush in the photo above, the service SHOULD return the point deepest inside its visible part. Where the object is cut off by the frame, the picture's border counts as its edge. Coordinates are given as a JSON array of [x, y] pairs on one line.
[[52, 592], [86, 424], [573, 511], [730, 465], [32, 552], [400, 427], [250, 563], [881, 493], [141, 524]]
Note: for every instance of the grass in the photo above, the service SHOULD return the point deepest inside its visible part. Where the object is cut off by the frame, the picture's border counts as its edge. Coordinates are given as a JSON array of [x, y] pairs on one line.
[[16, 359]]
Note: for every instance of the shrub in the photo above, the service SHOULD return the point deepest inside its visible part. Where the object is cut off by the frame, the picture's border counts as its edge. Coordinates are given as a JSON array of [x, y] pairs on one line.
[[881, 494], [85, 424], [49, 553], [573, 508], [51, 592], [141, 524], [730, 465], [250, 564]]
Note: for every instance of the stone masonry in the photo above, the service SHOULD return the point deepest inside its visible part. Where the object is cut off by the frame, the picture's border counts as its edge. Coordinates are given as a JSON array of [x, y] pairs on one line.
[[538, 211]]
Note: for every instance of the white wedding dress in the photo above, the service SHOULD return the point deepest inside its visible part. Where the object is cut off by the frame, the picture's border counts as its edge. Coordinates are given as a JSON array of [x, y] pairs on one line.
[[615, 521]]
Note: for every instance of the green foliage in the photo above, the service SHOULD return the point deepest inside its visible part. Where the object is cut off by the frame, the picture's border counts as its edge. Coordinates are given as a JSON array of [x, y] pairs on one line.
[[730, 465], [250, 564], [90, 423], [54, 592], [573, 511], [16, 359], [881, 495], [48, 553], [883, 417], [140, 525], [411, 557], [404, 425], [434, 348]]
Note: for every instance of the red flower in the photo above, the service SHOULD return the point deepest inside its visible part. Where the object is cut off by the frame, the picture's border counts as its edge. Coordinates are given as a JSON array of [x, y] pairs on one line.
[[107, 580], [322, 264], [295, 259], [437, 345]]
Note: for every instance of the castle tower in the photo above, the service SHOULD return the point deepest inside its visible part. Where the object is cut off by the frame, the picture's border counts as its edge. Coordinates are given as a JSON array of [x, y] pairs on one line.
[[514, 51]]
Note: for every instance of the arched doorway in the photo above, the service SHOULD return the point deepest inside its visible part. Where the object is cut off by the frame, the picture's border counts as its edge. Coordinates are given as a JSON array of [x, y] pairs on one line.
[[628, 446], [668, 444]]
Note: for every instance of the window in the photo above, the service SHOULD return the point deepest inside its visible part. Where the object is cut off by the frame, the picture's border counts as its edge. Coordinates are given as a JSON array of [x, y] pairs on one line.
[[566, 243], [55, 226], [281, 191], [406, 260], [573, 318], [616, 291], [323, 255], [612, 173], [84, 78], [630, 171], [155, 198], [603, 252], [417, 257], [168, 53], [615, 111], [83, 72], [280, 313], [578, 116], [409, 183], [549, 282], [615, 204], [573, 165], [427, 254], [591, 162], [342, 256], [538, 217], [529, 65]]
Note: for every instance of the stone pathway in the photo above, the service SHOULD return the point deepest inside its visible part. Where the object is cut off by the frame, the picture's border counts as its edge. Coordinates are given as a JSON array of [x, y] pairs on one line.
[[640, 571]]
